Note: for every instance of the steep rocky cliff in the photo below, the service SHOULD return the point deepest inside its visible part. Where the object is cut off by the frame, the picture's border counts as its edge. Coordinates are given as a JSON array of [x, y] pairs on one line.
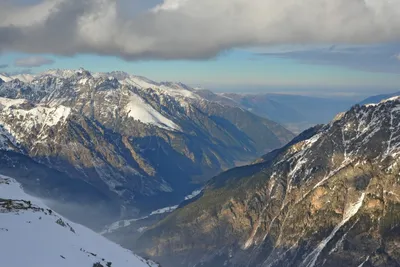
[[330, 198]]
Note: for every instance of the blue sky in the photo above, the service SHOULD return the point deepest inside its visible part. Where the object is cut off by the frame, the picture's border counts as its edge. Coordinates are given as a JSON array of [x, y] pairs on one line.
[[142, 38]]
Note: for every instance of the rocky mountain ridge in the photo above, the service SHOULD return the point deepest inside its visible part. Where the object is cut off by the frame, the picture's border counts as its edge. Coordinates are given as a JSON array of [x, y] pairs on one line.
[[133, 140], [329, 198]]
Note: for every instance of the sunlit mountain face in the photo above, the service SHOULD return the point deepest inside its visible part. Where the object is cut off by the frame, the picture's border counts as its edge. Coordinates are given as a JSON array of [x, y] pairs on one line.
[[328, 196], [134, 144]]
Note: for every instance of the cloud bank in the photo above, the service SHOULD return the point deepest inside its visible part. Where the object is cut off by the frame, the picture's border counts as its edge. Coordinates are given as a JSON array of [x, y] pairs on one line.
[[192, 29], [34, 61], [373, 58]]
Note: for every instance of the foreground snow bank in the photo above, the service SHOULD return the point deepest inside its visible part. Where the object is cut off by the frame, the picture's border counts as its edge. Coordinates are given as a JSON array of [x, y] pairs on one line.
[[33, 235]]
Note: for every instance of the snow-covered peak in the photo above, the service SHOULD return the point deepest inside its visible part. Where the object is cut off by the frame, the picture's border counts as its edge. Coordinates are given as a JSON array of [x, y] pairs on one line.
[[371, 105], [65, 73], [40, 118], [139, 82], [40, 114], [393, 98], [5, 77], [26, 78], [178, 90], [120, 75], [59, 73], [31, 234]]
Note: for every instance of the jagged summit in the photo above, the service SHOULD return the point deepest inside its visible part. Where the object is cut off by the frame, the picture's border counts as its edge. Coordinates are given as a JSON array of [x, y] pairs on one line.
[[83, 76], [65, 73]]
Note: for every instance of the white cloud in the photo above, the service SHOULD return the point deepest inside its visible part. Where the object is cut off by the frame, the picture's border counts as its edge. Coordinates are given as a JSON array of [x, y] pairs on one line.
[[35, 61], [397, 56], [193, 28]]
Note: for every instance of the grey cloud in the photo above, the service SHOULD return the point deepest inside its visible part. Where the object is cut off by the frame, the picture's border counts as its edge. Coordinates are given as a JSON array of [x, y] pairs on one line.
[[378, 58], [192, 29], [3, 66], [34, 61], [24, 2]]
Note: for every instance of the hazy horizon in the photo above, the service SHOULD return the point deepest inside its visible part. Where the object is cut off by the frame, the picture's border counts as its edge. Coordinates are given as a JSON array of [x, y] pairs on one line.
[[354, 93]]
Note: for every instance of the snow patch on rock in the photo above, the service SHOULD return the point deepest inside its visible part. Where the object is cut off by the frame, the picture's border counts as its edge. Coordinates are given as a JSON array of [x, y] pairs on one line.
[[25, 121], [138, 109], [7, 102], [349, 212]]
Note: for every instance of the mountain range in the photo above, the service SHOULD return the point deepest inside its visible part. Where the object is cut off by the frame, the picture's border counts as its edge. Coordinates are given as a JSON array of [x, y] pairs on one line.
[[121, 144], [132, 159], [330, 197]]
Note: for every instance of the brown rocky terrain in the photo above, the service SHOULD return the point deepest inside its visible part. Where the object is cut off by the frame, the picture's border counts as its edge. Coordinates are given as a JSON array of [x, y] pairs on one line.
[[329, 198]]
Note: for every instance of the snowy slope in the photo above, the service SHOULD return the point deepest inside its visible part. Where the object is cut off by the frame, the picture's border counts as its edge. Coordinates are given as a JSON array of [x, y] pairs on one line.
[[145, 113], [5, 77], [27, 78], [171, 89], [33, 235]]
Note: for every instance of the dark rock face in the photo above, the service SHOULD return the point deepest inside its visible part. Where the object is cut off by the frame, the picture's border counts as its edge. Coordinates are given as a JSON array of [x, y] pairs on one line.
[[329, 198], [139, 144]]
